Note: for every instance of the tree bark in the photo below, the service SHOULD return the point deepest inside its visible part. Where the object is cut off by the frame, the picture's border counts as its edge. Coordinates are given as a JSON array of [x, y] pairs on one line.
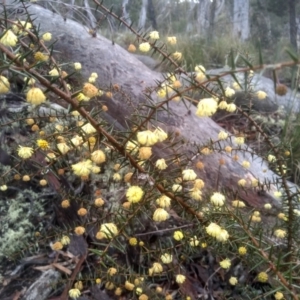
[[293, 24], [115, 66], [143, 14], [241, 19]]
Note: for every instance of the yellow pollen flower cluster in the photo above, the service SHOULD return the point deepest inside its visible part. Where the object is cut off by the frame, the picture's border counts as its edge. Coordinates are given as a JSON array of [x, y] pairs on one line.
[[47, 36], [98, 157], [133, 241], [225, 264], [156, 269], [144, 47], [180, 278], [242, 250], [280, 233], [238, 203], [88, 129], [160, 215], [82, 168], [4, 85], [222, 135], [262, 277], [154, 35], [163, 201], [217, 232], [35, 96], [178, 235], [134, 194], [74, 293], [147, 138], [161, 164], [172, 40], [43, 144], [233, 280], [9, 39], [189, 174], [39, 56], [57, 246], [206, 107], [131, 48], [108, 231], [79, 230], [25, 152], [261, 95], [177, 56], [217, 199], [166, 258], [89, 90], [229, 92]]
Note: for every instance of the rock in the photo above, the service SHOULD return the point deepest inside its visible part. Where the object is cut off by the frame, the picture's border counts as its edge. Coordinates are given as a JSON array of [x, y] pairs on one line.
[[41, 289]]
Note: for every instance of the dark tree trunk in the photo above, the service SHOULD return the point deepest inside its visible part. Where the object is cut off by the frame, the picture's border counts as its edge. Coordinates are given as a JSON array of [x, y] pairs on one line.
[[293, 25], [151, 14]]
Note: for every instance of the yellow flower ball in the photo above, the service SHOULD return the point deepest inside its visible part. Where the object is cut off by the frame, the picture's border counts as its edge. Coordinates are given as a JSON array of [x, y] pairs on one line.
[[82, 168], [74, 293], [109, 230], [262, 277], [131, 48], [177, 56], [145, 153], [129, 286], [43, 182], [65, 240], [223, 105], [144, 47], [160, 215], [229, 92], [280, 233], [225, 264], [133, 241], [213, 229], [40, 57], [89, 90], [231, 107], [98, 157], [166, 258], [217, 199], [161, 164], [35, 96], [163, 201], [112, 271], [206, 107], [160, 134], [43, 144], [4, 85], [222, 135], [134, 194], [9, 39], [157, 268], [3, 187], [57, 246], [147, 138], [180, 278], [222, 236], [279, 296], [88, 129], [242, 250], [233, 280], [65, 203], [178, 235], [82, 212], [79, 230], [26, 178], [238, 203], [25, 152], [77, 66], [267, 206], [189, 174], [172, 40], [261, 95], [154, 35]]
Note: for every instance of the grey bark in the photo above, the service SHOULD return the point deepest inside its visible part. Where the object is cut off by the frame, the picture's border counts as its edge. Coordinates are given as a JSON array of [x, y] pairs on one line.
[[241, 19], [293, 24], [114, 65], [126, 16], [143, 15]]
